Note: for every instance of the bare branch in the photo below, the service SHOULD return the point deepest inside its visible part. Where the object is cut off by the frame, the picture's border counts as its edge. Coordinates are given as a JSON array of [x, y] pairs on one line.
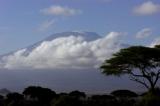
[[136, 75], [139, 81], [157, 77]]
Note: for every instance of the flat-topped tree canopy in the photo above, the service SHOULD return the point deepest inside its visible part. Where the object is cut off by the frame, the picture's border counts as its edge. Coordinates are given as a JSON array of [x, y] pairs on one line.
[[124, 93], [157, 46], [142, 64]]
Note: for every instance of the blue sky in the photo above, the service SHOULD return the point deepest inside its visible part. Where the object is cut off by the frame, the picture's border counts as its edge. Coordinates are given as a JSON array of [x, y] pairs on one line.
[[24, 22]]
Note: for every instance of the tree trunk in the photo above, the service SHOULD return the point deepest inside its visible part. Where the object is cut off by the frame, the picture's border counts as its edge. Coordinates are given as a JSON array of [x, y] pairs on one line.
[[152, 88]]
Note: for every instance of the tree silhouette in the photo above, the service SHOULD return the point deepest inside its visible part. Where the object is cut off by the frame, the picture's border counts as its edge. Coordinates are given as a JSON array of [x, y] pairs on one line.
[[77, 94], [124, 93], [157, 46], [42, 95], [14, 99], [142, 64], [102, 100], [66, 100]]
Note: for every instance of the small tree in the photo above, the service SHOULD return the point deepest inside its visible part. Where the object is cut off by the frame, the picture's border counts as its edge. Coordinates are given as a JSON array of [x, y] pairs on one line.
[[42, 95], [157, 46], [142, 64], [77, 94], [124, 93]]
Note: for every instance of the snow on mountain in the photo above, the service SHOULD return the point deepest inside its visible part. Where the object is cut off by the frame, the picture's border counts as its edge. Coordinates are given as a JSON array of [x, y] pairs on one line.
[[88, 36]]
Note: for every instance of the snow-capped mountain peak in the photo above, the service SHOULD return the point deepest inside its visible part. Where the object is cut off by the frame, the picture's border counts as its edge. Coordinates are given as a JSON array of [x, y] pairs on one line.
[[66, 50]]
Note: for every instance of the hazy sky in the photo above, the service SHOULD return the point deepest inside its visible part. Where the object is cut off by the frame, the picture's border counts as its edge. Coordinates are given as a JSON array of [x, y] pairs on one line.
[[24, 22]]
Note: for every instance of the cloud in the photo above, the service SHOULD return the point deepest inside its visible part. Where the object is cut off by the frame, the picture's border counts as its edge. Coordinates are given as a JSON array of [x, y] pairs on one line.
[[144, 33], [60, 11], [46, 25], [147, 8], [155, 42], [65, 53]]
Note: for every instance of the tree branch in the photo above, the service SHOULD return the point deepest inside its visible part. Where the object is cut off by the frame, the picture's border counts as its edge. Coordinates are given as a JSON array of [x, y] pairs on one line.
[[136, 75], [142, 82], [157, 77]]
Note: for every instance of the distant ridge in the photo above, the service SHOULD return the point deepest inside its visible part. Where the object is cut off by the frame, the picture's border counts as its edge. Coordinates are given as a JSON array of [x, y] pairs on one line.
[[4, 91]]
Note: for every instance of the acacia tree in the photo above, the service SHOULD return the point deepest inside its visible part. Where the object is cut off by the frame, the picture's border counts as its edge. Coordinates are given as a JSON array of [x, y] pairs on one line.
[[142, 64]]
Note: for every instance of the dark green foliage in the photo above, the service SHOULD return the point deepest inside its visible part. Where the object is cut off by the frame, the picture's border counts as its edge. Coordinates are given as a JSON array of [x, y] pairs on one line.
[[1, 97], [77, 98], [126, 102], [150, 99], [38, 92], [134, 57], [43, 95], [142, 64], [157, 46], [124, 93], [14, 99], [14, 96], [77, 94], [125, 97], [1, 100], [102, 100], [103, 97], [66, 100]]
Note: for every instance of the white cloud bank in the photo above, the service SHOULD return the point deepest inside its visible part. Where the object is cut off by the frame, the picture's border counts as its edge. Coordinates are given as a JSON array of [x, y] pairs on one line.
[[60, 11], [147, 8], [146, 32], [65, 53], [155, 42]]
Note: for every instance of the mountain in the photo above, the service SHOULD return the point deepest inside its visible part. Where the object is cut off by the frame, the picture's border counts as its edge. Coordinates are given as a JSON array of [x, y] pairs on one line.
[[88, 36]]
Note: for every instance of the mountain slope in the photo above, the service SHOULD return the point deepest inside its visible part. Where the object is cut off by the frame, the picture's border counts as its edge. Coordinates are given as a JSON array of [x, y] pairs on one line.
[[88, 36]]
